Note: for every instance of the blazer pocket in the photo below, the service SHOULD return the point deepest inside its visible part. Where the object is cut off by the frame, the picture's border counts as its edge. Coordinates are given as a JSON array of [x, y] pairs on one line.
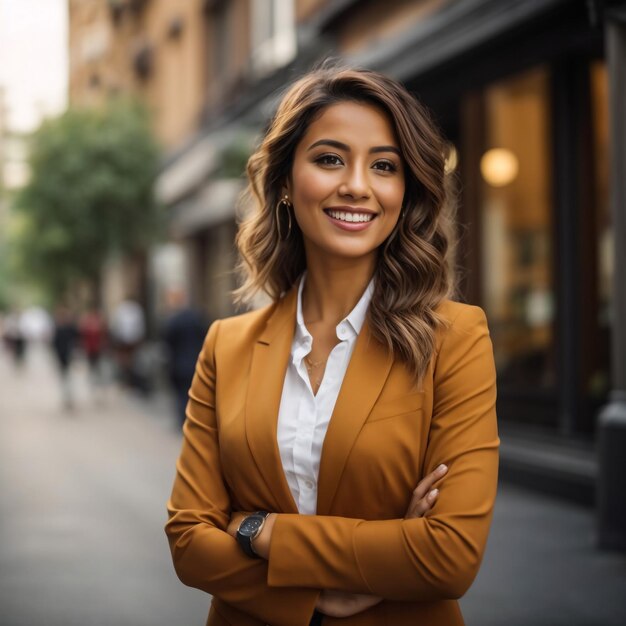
[[396, 406]]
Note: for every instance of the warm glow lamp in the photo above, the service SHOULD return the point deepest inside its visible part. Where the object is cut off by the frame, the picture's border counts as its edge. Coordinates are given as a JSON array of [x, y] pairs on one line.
[[499, 167]]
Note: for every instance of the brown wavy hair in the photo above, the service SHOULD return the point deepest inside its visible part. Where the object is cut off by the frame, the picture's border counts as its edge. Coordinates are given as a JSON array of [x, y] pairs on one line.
[[413, 273]]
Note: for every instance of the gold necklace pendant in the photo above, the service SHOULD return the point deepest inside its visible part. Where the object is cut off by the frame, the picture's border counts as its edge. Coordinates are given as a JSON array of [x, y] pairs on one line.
[[313, 364], [310, 366]]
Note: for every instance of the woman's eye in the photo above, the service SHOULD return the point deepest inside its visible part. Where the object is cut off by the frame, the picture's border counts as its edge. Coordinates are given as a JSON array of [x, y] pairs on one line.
[[328, 159], [385, 166]]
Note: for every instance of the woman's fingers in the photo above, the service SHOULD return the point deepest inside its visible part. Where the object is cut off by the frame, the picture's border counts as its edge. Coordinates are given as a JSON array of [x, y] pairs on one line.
[[426, 483], [424, 496], [419, 508], [344, 604]]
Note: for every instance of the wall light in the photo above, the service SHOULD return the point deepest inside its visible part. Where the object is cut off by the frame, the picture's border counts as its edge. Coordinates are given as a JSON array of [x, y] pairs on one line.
[[499, 167]]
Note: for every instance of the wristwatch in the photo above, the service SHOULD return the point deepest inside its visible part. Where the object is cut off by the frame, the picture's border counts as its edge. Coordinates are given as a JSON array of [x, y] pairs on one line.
[[249, 529]]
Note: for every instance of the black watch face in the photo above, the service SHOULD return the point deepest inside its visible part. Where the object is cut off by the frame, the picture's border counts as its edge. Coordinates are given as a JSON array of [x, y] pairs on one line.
[[250, 526]]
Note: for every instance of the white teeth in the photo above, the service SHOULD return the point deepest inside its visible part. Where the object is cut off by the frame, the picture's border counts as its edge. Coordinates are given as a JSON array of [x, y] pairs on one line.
[[351, 217]]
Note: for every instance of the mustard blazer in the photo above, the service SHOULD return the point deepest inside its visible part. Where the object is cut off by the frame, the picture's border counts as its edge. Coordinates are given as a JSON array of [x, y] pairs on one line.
[[385, 434]]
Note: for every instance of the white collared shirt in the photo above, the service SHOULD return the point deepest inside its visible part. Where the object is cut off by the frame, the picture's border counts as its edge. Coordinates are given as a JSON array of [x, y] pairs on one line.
[[303, 417]]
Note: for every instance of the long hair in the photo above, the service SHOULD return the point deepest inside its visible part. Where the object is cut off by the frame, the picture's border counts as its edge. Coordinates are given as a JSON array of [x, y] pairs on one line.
[[413, 273]]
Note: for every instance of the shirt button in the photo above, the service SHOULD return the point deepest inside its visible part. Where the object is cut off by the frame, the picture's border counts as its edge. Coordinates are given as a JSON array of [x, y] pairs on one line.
[[308, 484]]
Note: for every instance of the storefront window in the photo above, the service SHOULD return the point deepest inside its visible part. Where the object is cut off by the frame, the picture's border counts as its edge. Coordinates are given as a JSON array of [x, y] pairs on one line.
[[516, 231], [599, 378]]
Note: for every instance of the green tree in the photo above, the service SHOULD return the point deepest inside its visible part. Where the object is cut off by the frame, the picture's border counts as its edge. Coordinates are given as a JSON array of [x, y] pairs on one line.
[[91, 194]]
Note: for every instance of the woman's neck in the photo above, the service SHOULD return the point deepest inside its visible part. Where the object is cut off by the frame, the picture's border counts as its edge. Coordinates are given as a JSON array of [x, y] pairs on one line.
[[333, 287]]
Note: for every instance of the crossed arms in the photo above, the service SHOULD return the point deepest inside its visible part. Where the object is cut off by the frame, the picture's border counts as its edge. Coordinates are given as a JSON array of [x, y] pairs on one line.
[[422, 558]]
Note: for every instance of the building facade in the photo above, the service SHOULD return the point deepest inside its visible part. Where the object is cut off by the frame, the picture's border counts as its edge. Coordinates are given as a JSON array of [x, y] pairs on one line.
[[521, 90], [153, 51]]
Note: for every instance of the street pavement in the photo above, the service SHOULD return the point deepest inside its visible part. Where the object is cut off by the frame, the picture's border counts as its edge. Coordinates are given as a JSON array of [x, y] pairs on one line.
[[82, 508]]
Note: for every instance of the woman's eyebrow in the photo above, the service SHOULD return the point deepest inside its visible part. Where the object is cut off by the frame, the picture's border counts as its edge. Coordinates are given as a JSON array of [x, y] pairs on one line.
[[386, 149], [333, 143], [330, 142]]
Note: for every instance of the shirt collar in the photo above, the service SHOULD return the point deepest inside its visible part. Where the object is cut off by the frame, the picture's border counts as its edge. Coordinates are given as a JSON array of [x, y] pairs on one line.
[[351, 324], [356, 317]]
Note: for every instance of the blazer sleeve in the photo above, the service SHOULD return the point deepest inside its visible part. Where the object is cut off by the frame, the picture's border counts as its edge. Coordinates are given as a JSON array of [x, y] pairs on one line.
[[204, 555], [428, 558]]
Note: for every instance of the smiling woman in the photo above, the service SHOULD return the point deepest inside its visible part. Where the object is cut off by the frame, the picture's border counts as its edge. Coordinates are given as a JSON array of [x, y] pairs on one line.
[[380, 117], [318, 427], [347, 177]]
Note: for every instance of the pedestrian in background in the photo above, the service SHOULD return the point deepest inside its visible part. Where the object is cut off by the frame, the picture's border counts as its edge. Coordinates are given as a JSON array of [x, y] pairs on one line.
[[128, 329], [183, 335], [317, 426], [64, 340], [93, 335], [14, 338]]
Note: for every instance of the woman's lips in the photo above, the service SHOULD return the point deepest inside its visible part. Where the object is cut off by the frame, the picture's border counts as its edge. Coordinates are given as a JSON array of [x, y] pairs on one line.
[[352, 225]]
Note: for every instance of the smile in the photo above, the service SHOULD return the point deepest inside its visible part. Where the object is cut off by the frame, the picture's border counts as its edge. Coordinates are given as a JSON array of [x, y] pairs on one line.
[[350, 219], [344, 216]]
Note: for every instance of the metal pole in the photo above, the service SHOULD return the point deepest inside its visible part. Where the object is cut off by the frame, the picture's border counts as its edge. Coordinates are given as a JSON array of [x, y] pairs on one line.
[[612, 418]]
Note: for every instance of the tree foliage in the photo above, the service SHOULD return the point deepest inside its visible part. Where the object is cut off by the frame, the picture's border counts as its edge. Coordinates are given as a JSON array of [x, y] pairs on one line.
[[91, 194]]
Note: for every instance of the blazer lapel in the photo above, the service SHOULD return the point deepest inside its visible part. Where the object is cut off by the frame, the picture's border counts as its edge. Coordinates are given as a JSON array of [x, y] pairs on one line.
[[270, 358], [367, 372]]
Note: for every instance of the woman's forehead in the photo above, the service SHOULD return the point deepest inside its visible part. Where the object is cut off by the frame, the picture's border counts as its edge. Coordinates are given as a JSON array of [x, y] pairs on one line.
[[352, 123]]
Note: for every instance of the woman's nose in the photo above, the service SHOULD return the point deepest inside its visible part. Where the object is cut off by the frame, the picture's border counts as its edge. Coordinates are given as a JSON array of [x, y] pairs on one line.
[[355, 184]]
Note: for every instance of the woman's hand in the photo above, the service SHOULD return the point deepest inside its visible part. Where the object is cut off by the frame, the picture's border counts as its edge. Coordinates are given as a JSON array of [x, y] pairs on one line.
[[345, 604], [424, 496]]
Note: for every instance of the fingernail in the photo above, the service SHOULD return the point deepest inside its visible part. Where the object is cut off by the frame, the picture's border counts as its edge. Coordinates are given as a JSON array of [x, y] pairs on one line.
[[433, 493], [442, 468]]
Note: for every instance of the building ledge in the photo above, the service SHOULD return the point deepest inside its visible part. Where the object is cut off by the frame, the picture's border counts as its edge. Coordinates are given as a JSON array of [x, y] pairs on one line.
[[547, 463], [451, 33]]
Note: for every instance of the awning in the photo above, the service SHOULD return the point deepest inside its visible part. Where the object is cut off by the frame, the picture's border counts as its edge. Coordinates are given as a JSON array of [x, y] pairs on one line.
[[215, 202]]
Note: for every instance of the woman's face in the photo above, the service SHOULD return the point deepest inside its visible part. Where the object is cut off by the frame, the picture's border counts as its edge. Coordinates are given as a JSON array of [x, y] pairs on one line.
[[347, 181]]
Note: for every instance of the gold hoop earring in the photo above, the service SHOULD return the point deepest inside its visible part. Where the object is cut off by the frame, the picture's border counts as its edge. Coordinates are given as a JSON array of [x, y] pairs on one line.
[[284, 201]]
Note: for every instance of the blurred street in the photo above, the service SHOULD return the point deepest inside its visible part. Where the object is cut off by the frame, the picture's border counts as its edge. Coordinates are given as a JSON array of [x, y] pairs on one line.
[[83, 508]]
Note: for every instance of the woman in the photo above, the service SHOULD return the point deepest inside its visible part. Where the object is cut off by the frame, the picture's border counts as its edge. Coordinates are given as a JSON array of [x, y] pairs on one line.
[[311, 422]]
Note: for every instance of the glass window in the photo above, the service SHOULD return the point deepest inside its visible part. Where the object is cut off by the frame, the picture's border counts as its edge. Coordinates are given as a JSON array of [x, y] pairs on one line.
[[599, 382], [222, 41], [516, 232], [273, 34]]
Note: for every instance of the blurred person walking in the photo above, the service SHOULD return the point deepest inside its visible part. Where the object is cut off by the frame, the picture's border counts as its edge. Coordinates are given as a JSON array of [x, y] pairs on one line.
[[93, 333], [183, 335], [64, 338], [36, 324], [128, 329], [14, 338]]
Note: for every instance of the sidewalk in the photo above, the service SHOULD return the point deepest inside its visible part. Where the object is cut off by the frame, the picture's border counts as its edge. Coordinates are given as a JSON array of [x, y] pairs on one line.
[[542, 568], [83, 508]]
